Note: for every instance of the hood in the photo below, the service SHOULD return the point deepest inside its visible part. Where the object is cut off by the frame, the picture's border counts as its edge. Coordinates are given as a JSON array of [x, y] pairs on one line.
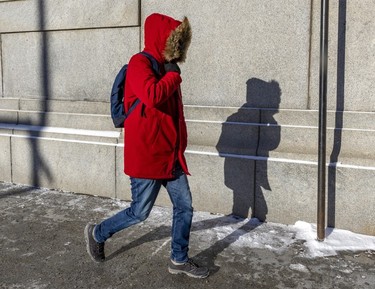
[[167, 39]]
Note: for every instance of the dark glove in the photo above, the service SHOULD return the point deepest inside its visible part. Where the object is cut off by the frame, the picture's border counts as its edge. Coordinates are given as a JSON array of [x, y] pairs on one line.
[[170, 66]]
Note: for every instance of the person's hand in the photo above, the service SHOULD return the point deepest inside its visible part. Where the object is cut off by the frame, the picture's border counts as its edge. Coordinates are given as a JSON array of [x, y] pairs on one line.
[[171, 66]]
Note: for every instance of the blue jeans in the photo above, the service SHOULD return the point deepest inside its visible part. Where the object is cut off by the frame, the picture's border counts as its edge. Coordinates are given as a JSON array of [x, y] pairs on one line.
[[144, 193]]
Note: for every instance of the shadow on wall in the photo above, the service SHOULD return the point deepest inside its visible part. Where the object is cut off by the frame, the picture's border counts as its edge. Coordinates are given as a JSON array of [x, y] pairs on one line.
[[245, 142], [339, 115], [39, 166]]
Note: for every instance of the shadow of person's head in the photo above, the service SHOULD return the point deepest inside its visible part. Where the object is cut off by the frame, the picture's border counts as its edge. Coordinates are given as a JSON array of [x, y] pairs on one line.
[[263, 94]]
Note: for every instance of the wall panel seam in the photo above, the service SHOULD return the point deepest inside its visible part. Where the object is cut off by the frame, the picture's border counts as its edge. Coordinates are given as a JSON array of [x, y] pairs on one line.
[[310, 56], [1, 66], [11, 158], [253, 205], [68, 29]]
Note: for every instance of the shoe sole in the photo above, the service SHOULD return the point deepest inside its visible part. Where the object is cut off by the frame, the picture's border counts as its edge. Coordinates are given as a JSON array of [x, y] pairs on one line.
[[87, 243], [175, 272]]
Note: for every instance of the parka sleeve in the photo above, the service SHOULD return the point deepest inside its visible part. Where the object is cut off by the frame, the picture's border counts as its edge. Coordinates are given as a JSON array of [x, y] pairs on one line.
[[145, 84]]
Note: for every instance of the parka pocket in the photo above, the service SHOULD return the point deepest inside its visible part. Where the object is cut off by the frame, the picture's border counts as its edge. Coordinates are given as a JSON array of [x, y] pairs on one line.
[[150, 129]]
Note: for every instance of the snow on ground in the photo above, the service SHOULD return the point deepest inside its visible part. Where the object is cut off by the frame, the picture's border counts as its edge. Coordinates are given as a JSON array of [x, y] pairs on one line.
[[336, 240], [237, 232], [252, 233], [277, 237]]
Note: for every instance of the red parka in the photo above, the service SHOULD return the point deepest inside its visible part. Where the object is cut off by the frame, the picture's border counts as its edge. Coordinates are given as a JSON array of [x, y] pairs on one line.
[[155, 132]]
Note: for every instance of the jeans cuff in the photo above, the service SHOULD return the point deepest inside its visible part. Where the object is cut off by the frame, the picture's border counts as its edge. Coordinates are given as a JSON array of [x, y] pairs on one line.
[[94, 234], [176, 262]]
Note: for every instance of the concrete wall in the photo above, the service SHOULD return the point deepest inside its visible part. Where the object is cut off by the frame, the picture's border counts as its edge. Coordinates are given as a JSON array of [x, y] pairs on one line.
[[234, 42], [251, 98]]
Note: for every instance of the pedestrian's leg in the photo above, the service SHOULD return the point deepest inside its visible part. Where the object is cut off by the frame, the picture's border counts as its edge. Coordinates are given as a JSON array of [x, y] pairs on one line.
[[144, 193], [180, 195]]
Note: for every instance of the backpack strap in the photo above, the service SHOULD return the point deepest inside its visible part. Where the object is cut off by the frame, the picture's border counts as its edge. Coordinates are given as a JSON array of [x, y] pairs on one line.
[[155, 68], [155, 64]]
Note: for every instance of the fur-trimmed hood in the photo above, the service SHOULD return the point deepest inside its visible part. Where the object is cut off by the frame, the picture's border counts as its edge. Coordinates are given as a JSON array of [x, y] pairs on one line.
[[167, 39]]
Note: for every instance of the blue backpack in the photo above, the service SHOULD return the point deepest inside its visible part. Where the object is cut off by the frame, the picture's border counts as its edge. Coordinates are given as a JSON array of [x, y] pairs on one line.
[[117, 94]]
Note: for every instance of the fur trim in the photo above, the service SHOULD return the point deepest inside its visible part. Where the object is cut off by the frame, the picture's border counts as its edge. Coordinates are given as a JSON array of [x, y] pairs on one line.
[[178, 42]]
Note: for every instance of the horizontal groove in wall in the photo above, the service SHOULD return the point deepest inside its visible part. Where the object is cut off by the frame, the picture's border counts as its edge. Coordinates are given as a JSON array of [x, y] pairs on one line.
[[278, 109], [281, 160], [70, 29], [61, 130], [217, 154], [58, 139], [275, 125]]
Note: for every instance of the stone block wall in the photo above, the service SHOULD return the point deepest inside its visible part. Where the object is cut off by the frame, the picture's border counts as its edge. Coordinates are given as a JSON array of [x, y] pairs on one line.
[[250, 87]]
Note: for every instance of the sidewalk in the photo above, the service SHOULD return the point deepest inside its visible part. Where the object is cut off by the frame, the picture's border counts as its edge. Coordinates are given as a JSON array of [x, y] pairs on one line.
[[42, 246]]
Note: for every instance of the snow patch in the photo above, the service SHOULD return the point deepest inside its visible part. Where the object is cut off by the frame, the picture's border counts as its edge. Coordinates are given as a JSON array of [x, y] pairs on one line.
[[336, 240], [299, 267]]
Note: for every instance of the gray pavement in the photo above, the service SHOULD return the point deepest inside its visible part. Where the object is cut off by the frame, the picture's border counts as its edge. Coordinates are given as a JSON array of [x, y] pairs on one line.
[[42, 246]]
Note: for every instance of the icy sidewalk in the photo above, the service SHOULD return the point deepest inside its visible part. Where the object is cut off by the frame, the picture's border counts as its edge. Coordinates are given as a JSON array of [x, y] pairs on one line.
[[42, 246]]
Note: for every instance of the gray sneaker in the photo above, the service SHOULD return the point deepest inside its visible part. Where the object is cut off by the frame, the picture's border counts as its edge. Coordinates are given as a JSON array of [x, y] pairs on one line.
[[95, 249], [189, 268]]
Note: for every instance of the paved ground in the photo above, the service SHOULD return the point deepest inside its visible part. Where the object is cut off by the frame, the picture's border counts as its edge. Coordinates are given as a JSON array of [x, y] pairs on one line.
[[42, 246]]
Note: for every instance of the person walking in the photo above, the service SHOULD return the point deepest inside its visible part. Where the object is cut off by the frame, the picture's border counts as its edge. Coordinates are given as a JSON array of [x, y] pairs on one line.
[[155, 142]]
